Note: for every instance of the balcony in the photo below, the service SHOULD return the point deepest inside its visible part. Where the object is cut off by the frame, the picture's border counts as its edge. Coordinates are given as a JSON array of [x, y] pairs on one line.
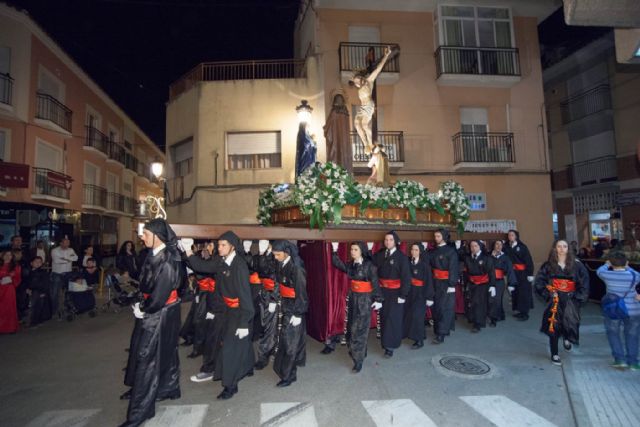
[[94, 197], [129, 206], [357, 56], [477, 66], [393, 142], [116, 153], [130, 162], [483, 151], [115, 202], [6, 89], [96, 141], [239, 70], [51, 185], [590, 102], [595, 171], [53, 112]]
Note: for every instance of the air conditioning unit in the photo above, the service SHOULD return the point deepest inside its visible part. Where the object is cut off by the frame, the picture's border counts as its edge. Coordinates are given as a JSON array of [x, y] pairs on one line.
[[28, 218]]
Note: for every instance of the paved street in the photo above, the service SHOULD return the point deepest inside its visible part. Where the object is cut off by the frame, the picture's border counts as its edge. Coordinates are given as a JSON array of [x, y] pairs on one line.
[[70, 374]]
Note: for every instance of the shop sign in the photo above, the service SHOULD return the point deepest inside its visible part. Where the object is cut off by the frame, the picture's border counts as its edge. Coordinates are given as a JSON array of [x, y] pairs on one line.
[[627, 199], [490, 226], [14, 175]]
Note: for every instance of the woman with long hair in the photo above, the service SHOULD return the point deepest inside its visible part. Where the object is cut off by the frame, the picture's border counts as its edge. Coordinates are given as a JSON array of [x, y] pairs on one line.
[[127, 260], [563, 282], [420, 295], [10, 276]]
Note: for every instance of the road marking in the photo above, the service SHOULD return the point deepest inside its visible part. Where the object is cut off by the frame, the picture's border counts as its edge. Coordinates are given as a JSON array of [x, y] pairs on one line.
[[64, 418], [178, 416], [399, 412], [287, 414], [504, 412]]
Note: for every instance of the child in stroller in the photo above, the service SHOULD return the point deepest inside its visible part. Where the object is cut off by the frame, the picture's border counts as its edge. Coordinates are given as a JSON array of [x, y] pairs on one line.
[[123, 290], [79, 297]]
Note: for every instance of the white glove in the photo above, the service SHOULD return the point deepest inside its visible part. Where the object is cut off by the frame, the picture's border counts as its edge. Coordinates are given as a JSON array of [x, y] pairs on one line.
[[426, 245], [186, 244], [272, 307], [263, 245], [376, 306], [530, 279], [429, 303], [451, 290], [295, 320], [370, 245], [492, 291], [401, 300], [209, 316], [247, 245], [197, 299], [136, 311], [511, 288], [458, 244], [242, 332], [6, 280], [334, 245]]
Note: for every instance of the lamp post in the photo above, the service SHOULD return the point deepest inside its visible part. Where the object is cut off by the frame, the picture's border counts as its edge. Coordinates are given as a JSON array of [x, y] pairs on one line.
[[304, 112], [156, 203]]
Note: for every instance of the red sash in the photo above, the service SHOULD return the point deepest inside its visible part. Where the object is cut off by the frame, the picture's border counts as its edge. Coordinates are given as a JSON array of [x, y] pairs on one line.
[[173, 297], [360, 286], [520, 267], [479, 280], [563, 285], [417, 282], [269, 284], [207, 284], [390, 283], [287, 292], [499, 273], [231, 302], [440, 274], [254, 279]]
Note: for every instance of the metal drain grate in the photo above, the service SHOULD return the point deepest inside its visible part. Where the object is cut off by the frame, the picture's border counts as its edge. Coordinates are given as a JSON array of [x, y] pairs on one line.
[[465, 365]]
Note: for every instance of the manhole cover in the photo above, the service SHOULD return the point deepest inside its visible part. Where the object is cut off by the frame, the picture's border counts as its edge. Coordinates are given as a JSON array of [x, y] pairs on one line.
[[465, 365]]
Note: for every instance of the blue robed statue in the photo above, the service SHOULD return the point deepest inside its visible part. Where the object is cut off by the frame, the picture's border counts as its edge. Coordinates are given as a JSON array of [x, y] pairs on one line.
[[305, 150]]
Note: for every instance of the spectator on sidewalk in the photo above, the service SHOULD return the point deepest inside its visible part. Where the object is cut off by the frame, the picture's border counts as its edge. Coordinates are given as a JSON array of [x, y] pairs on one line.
[[40, 250], [37, 282], [621, 280], [10, 274], [62, 259], [88, 254], [127, 260]]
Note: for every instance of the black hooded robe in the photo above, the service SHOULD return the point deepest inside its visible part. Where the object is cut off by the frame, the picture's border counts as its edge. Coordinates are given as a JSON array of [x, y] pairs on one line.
[[480, 277], [156, 370], [444, 258], [522, 298], [359, 308], [269, 294], [503, 272], [255, 285], [416, 306], [291, 351], [395, 268]]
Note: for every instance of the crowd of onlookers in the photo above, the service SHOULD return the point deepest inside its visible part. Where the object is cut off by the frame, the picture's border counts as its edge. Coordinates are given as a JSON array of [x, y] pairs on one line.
[[38, 283]]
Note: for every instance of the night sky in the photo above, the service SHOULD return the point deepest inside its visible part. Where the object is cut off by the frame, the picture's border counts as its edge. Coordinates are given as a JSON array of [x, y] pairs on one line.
[[134, 49]]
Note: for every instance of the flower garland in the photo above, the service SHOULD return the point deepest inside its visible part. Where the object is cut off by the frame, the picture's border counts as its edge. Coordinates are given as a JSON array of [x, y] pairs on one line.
[[323, 190]]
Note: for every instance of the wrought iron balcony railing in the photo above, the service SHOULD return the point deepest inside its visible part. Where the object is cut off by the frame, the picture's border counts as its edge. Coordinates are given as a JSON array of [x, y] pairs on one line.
[[94, 195], [130, 162], [115, 202], [361, 56], [96, 139], [492, 147], [49, 108], [589, 102], [48, 182], [129, 205], [116, 152], [477, 60], [595, 171], [393, 142], [6, 89]]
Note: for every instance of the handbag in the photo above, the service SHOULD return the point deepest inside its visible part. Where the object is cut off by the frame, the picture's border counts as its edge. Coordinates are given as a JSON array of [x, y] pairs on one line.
[[613, 306]]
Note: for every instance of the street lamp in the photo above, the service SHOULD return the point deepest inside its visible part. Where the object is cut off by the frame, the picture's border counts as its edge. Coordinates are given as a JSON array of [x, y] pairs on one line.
[[304, 111], [157, 168]]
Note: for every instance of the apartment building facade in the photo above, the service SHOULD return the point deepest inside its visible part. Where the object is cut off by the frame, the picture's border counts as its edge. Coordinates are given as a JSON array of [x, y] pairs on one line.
[[72, 161], [592, 112], [463, 100]]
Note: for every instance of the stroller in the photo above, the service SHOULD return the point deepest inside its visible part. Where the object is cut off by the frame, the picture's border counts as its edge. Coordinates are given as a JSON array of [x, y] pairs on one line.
[[78, 298], [122, 291]]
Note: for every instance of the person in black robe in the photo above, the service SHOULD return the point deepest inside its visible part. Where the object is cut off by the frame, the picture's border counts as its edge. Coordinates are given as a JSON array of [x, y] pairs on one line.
[[232, 281], [563, 282], [522, 296], [364, 294], [291, 277], [156, 370], [394, 274], [269, 303], [444, 264], [36, 281], [420, 296], [503, 269], [255, 285], [480, 280]]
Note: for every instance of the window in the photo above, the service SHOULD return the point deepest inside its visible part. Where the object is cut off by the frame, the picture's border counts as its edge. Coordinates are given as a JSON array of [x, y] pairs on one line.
[[5, 150], [112, 183], [5, 72], [474, 127], [114, 134], [48, 84], [476, 26], [48, 156], [91, 174], [182, 154], [253, 150], [94, 120]]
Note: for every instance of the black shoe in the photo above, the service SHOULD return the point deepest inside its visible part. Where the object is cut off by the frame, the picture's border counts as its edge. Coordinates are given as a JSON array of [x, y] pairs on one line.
[[194, 354], [388, 354], [357, 367], [249, 374], [492, 324], [567, 344], [285, 383], [261, 364], [126, 395], [517, 315], [475, 330], [172, 397], [227, 393], [439, 339], [327, 350], [523, 317], [418, 344]]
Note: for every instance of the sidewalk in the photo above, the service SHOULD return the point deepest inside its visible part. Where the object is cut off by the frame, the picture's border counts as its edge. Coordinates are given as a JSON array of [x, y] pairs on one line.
[[599, 394]]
